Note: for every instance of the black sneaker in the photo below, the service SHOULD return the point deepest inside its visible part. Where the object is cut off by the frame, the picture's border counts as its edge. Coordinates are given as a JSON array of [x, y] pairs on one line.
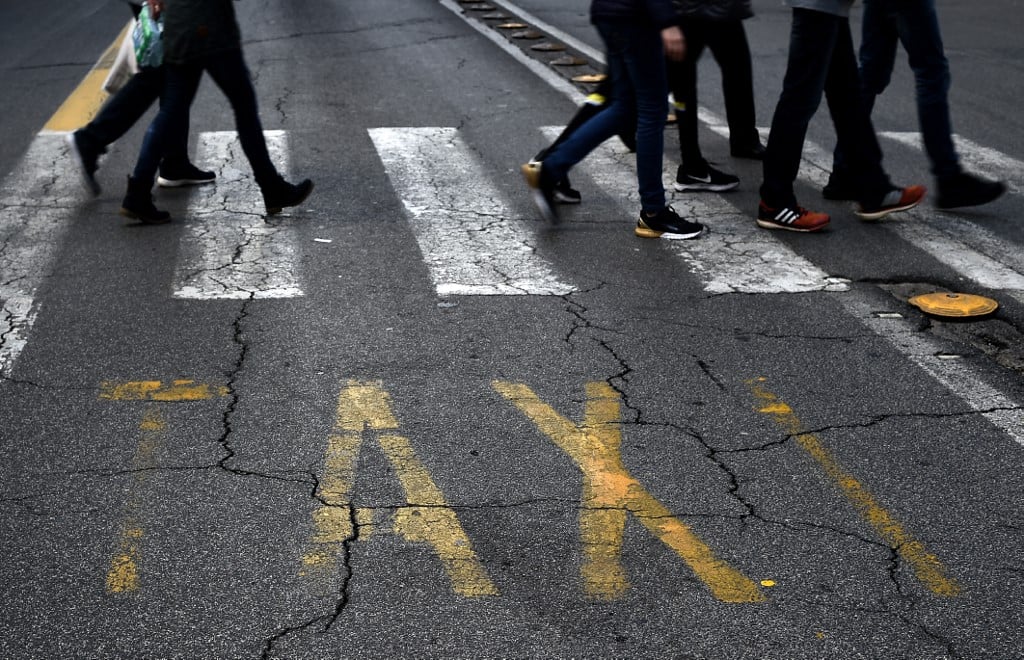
[[667, 224], [839, 188], [564, 193], [138, 204], [543, 193], [967, 190], [282, 194], [186, 175], [710, 179], [88, 162]]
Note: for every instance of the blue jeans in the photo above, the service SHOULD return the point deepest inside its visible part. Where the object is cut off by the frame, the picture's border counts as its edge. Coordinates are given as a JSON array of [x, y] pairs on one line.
[[821, 61], [915, 24], [125, 108], [229, 72], [636, 68]]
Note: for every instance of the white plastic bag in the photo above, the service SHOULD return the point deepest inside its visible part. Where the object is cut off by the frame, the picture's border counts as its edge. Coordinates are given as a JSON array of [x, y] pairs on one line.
[[125, 66]]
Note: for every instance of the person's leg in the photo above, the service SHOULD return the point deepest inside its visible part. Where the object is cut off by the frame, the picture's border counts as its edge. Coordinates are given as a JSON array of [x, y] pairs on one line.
[[728, 44], [229, 72], [918, 26], [812, 40], [879, 38], [855, 135], [231, 75], [180, 85], [682, 80], [123, 110]]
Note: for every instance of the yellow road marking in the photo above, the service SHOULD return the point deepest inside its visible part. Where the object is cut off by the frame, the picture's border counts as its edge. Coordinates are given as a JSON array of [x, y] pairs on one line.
[[83, 104], [427, 518], [610, 493], [155, 390], [926, 566], [123, 576]]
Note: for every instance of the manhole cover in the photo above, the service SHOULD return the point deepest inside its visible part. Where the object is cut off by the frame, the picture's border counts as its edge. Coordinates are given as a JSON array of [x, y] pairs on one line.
[[957, 305]]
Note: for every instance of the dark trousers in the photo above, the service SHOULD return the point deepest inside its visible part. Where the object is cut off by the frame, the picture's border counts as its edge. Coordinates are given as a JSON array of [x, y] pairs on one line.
[[124, 109], [821, 61], [636, 67], [727, 41], [231, 75], [915, 24]]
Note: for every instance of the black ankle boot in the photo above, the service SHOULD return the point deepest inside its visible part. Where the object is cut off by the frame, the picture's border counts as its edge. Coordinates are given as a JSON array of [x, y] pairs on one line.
[[138, 204], [280, 194]]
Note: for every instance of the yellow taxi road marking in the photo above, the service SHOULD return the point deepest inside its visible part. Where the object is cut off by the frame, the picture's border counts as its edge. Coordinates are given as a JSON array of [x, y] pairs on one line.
[[366, 406], [155, 390], [83, 104], [927, 567], [610, 493], [429, 519], [123, 576]]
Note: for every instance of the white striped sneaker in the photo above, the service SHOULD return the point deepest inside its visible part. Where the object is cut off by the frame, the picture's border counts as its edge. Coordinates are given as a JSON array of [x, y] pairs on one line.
[[791, 218]]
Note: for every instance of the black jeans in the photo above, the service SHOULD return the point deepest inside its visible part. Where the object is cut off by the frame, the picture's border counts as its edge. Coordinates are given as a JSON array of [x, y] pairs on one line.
[[229, 72], [727, 41], [124, 109], [821, 61]]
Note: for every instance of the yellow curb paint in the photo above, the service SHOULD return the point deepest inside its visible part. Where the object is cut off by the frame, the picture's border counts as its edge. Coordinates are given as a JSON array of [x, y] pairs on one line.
[[366, 406], [123, 576], [155, 390], [926, 566], [83, 104], [610, 493]]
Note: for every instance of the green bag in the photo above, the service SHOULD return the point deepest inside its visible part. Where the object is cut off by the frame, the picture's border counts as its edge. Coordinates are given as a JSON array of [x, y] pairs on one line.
[[146, 36]]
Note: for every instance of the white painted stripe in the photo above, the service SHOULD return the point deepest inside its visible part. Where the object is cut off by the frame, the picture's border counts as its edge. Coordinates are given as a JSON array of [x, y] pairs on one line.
[[920, 229], [733, 255], [546, 74], [564, 37], [229, 251], [975, 158], [471, 241], [956, 375], [37, 202]]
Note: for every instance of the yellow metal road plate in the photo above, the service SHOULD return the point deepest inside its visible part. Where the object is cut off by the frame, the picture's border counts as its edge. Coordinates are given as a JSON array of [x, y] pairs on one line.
[[960, 305]]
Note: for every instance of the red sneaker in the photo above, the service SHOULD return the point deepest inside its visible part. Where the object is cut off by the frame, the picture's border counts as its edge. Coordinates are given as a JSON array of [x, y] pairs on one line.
[[895, 200], [790, 218]]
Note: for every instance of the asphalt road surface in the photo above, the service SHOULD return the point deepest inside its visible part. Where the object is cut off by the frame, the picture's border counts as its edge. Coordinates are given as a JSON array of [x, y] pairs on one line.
[[407, 419]]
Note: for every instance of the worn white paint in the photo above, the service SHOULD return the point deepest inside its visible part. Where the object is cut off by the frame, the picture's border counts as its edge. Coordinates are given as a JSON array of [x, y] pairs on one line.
[[228, 250], [472, 242], [37, 202]]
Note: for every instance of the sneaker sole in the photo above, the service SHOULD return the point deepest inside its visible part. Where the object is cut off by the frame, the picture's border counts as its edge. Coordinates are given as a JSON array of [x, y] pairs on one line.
[[881, 213], [146, 221], [178, 183], [644, 232], [706, 187], [768, 224], [88, 180], [565, 199], [531, 172]]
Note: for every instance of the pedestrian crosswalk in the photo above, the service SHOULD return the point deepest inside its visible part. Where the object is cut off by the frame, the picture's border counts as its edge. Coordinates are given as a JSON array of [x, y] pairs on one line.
[[474, 236]]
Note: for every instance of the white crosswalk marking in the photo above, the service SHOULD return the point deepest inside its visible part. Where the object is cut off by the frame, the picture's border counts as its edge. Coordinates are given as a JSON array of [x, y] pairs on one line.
[[975, 158], [733, 256], [471, 241], [919, 228], [229, 251], [36, 205]]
